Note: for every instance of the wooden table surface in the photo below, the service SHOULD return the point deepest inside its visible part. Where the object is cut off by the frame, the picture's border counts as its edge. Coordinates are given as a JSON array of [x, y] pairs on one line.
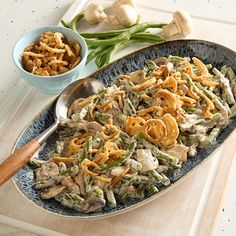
[[192, 208]]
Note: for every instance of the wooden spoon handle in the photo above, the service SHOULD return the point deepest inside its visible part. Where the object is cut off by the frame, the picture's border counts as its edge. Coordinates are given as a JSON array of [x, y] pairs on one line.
[[17, 160]]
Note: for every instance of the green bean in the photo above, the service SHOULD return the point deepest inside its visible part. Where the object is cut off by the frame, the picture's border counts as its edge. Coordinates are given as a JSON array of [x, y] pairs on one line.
[[165, 180], [166, 158], [117, 162], [110, 197], [95, 52], [102, 117], [62, 167], [87, 182], [214, 121], [126, 35], [156, 176], [107, 34], [119, 46], [176, 58], [75, 20], [103, 34], [227, 93], [74, 198], [65, 24], [148, 36], [189, 109], [210, 140], [101, 57], [216, 100], [152, 189], [97, 192], [198, 87], [35, 162], [87, 148], [151, 65], [47, 183], [135, 165], [72, 171]]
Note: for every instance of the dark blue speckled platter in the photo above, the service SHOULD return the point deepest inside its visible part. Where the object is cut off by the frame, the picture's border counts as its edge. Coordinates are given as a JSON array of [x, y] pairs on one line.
[[209, 52]]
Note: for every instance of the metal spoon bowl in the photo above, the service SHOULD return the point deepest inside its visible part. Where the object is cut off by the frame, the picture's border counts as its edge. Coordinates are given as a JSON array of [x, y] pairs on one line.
[[79, 89]]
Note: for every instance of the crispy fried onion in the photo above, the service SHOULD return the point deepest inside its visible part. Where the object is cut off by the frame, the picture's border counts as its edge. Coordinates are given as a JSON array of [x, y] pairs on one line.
[[201, 66], [191, 93], [204, 77], [209, 106], [58, 159], [105, 107], [157, 110], [170, 82], [171, 129], [77, 143], [154, 130], [85, 102], [113, 150], [110, 132], [144, 85], [169, 98], [187, 101], [116, 179], [109, 151], [86, 163], [134, 125]]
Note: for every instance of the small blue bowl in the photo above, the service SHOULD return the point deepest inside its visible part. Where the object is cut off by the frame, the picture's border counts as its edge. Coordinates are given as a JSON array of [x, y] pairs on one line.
[[49, 84]]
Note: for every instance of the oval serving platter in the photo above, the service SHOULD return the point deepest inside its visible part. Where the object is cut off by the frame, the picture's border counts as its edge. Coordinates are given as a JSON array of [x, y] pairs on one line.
[[208, 52]]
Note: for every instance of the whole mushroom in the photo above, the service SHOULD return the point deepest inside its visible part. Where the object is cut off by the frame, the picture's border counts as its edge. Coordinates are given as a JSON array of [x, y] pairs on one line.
[[94, 13], [181, 24], [125, 13], [131, 3]]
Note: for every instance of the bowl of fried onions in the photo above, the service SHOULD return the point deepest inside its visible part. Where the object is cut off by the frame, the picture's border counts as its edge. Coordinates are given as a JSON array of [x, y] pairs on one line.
[[50, 57]]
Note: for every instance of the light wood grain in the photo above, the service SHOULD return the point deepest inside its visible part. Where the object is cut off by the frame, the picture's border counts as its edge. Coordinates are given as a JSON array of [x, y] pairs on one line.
[[17, 160], [6, 230]]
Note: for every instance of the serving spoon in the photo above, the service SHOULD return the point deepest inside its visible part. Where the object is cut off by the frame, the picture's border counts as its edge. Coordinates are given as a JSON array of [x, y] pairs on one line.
[[79, 89]]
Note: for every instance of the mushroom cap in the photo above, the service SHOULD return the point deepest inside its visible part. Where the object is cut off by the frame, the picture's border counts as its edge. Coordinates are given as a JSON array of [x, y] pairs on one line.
[[94, 7], [183, 22], [126, 15], [117, 3], [94, 13]]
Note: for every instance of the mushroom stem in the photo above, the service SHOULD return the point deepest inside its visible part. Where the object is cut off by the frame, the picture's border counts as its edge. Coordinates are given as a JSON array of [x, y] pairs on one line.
[[181, 24], [170, 29]]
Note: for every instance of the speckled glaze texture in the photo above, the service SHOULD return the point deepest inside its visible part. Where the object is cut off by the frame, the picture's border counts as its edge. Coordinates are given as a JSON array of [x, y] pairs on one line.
[[209, 52]]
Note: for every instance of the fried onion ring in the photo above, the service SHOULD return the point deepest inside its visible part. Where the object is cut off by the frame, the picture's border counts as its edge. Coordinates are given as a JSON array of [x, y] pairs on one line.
[[110, 132], [134, 125], [154, 130], [169, 97], [172, 130]]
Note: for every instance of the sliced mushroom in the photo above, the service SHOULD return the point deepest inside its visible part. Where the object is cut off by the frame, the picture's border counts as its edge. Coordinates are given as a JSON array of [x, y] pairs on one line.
[[52, 192], [178, 150], [46, 171], [137, 76], [92, 204], [71, 186], [161, 61], [79, 180], [148, 161], [93, 126]]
